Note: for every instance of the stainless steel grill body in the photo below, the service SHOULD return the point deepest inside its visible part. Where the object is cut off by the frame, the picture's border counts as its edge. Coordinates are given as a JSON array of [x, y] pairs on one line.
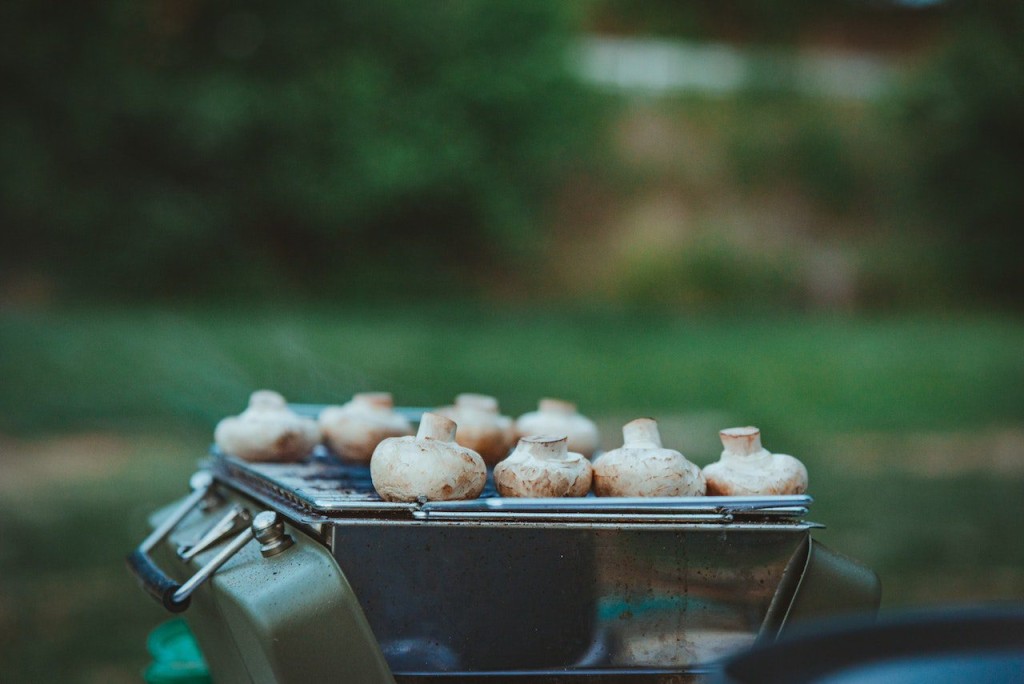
[[592, 589]]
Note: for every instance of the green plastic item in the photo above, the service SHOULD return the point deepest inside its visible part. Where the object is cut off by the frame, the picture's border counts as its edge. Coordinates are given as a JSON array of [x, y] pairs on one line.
[[176, 656]]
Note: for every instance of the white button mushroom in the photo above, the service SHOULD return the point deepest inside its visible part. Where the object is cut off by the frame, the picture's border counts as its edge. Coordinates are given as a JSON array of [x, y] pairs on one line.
[[542, 466], [482, 428], [746, 468], [354, 429], [643, 467], [557, 417], [267, 431], [428, 465]]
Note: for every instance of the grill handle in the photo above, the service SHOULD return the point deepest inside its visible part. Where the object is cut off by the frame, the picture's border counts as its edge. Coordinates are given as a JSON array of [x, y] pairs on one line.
[[155, 582], [175, 597], [267, 528]]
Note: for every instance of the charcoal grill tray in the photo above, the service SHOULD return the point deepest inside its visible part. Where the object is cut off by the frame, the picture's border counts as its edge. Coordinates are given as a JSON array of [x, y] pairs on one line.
[[589, 588], [323, 488]]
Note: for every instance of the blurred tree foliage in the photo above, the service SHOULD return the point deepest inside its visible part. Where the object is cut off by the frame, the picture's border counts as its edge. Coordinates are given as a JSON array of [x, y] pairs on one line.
[[698, 19], [964, 117], [159, 146]]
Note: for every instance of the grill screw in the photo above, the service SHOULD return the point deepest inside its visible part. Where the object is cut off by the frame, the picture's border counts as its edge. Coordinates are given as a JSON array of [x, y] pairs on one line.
[[268, 529]]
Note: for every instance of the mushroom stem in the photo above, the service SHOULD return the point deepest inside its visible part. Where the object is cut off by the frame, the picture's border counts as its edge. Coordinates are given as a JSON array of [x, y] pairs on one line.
[[642, 433], [433, 426], [545, 447], [557, 406], [743, 441], [266, 399], [479, 402], [374, 399]]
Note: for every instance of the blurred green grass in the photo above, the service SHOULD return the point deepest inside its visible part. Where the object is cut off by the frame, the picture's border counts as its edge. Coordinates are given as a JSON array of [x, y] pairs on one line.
[[70, 509], [912, 429], [89, 367]]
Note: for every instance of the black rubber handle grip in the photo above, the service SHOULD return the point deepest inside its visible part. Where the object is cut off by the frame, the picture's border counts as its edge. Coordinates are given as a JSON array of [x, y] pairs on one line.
[[156, 583]]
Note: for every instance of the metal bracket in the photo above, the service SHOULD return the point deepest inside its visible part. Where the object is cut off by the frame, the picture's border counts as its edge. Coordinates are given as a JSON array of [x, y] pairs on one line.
[[233, 522]]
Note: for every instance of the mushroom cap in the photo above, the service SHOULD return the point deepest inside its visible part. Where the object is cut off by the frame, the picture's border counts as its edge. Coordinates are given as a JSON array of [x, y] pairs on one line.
[[267, 431], [542, 466], [748, 469], [557, 417], [354, 429], [642, 467], [429, 465]]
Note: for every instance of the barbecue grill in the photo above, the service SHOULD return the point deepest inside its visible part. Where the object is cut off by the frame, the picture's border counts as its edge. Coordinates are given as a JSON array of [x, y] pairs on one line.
[[299, 572]]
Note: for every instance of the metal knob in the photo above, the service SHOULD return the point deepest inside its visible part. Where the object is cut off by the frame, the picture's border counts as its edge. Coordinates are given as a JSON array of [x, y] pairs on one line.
[[268, 529], [201, 479]]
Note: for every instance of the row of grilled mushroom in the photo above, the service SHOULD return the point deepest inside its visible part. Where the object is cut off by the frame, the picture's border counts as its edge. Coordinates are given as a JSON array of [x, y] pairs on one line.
[[269, 431], [447, 458]]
